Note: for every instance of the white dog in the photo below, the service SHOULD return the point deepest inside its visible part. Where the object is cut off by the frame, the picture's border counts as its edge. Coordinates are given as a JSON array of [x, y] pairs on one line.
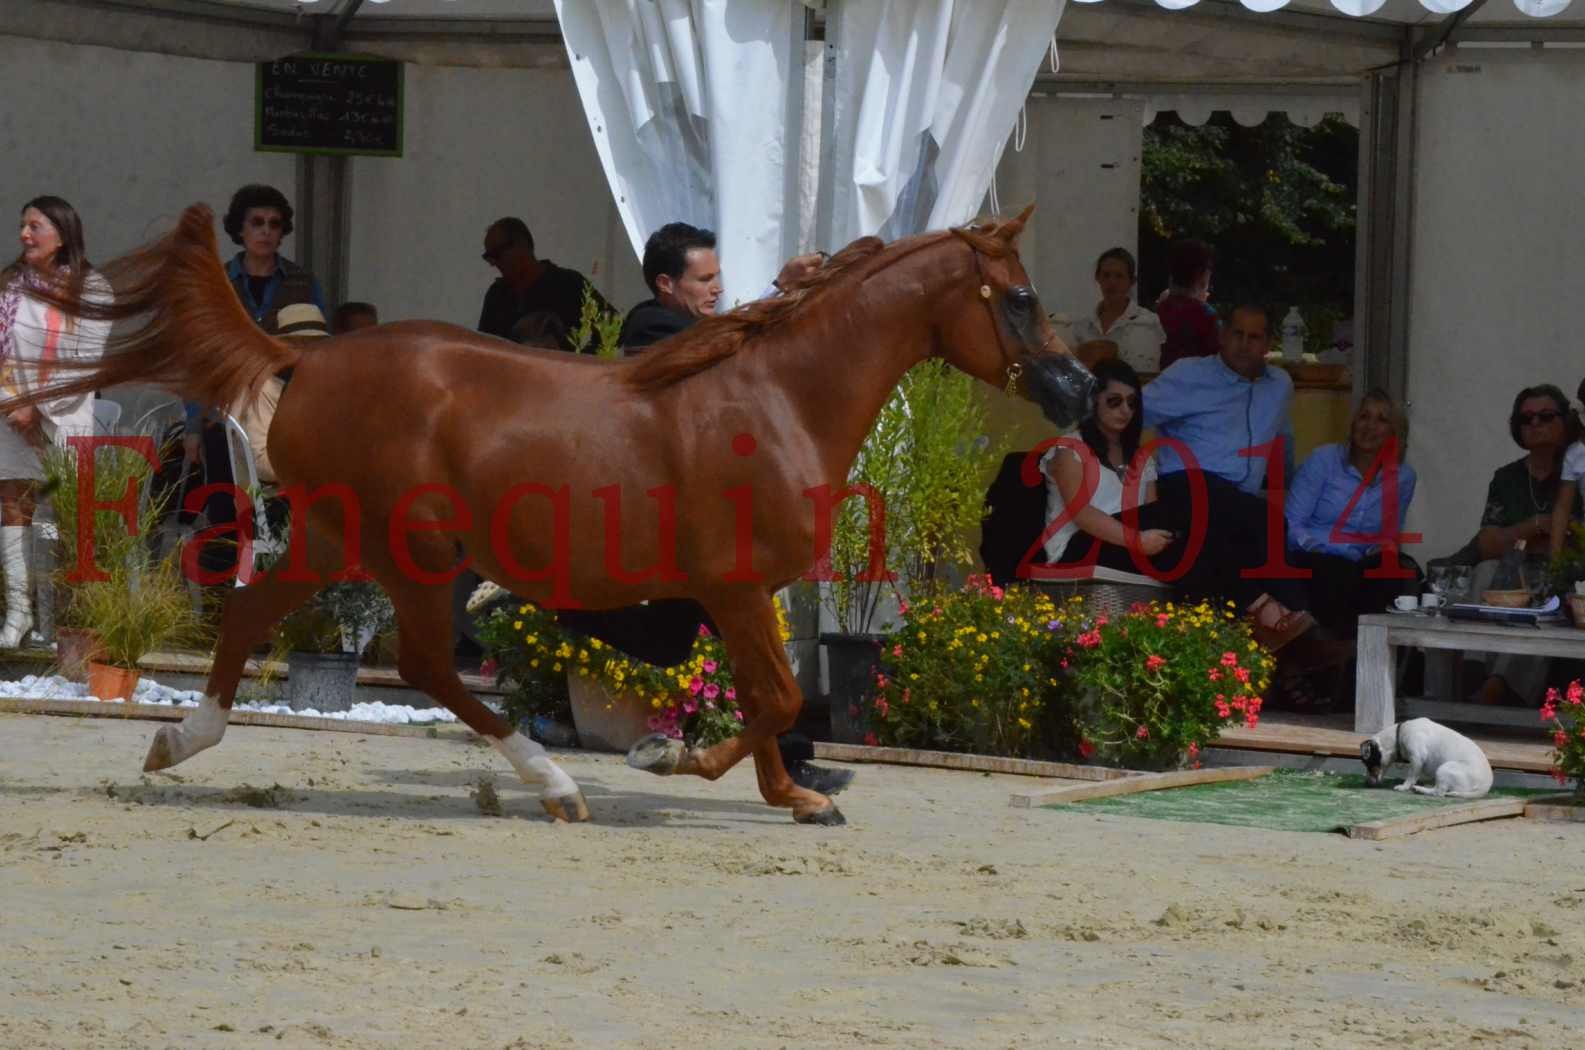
[[1453, 761]]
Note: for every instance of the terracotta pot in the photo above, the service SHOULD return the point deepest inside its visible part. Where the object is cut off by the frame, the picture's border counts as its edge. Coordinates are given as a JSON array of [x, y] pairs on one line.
[[605, 722], [76, 648], [109, 682]]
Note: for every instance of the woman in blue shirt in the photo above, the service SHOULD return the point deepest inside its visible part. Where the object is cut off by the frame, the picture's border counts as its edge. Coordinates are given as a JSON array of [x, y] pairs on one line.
[[1336, 521]]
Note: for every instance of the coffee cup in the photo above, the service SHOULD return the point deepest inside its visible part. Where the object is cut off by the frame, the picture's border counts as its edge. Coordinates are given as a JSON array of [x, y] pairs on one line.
[[1430, 601], [1406, 603]]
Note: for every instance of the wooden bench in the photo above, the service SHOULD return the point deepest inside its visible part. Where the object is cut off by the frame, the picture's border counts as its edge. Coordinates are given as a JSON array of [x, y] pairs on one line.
[[1375, 701]]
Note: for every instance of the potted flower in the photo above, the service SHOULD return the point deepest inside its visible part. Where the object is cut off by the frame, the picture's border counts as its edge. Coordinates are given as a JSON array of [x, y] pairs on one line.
[[535, 694], [926, 462], [1568, 736], [142, 606], [324, 641], [1568, 572], [975, 670], [1157, 683]]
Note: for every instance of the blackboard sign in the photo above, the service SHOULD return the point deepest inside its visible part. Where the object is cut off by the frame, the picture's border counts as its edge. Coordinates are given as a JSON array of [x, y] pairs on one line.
[[346, 104]]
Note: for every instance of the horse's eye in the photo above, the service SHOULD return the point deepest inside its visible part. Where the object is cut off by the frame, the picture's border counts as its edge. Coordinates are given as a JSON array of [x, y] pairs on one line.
[[1021, 298]]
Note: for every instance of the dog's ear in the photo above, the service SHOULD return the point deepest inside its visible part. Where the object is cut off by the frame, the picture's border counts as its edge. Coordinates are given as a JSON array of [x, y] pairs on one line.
[[1370, 754]]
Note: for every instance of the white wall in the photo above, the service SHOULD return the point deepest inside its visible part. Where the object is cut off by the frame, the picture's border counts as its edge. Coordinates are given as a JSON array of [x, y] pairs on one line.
[[129, 138], [1498, 265], [481, 144], [1080, 167]]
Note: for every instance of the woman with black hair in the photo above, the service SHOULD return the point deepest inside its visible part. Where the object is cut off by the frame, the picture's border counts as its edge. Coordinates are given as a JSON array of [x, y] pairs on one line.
[[1111, 436], [33, 335]]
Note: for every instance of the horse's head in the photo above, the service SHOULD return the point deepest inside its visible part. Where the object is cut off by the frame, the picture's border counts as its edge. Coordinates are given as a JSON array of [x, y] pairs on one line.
[[996, 331]]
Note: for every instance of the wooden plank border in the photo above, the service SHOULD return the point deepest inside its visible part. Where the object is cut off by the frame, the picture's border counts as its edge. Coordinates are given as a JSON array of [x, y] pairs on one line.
[[1446, 817], [1024, 767], [1561, 808], [163, 713], [1134, 784]]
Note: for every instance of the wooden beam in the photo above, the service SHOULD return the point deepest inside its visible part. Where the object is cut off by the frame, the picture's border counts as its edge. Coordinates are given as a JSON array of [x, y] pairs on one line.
[[1445, 817], [1474, 714], [164, 713], [907, 756], [1134, 784], [1567, 808]]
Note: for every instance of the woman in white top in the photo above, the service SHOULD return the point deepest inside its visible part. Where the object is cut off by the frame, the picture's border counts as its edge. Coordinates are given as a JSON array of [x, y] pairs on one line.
[[1117, 318], [1111, 440], [33, 337], [1569, 482]]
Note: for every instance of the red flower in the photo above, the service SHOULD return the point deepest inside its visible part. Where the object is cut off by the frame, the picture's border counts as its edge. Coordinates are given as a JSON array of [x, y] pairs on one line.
[[1089, 639], [1242, 674], [1229, 659], [1576, 692], [1086, 749], [1251, 719], [1154, 663], [1222, 710], [1557, 775], [870, 739], [1161, 619], [897, 651], [1560, 740], [1194, 749], [1143, 733], [1214, 674]]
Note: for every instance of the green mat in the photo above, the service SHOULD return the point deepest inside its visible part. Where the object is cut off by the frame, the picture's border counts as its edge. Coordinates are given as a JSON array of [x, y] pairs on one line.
[[1284, 801]]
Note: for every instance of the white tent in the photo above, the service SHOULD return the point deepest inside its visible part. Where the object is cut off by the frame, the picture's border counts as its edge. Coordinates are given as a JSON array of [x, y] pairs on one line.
[[1469, 239]]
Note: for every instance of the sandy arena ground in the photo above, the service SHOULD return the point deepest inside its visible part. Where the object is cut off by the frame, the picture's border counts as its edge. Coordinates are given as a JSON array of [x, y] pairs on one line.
[[376, 907]]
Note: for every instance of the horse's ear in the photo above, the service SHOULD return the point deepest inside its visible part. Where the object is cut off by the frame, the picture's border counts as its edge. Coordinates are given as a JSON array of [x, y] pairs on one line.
[[1011, 230]]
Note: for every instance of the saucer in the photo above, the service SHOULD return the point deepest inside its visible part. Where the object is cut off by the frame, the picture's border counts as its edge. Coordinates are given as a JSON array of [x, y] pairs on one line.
[[1395, 611]]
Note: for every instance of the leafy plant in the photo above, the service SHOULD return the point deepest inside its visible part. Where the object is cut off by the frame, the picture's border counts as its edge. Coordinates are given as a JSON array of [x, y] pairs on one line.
[[342, 618], [1156, 683], [598, 328], [1568, 734], [143, 606], [1568, 564], [925, 460], [975, 670], [532, 687]]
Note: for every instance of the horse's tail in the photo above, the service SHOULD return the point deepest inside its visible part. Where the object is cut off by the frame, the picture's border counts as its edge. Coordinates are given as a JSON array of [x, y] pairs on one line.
[[189, 333]]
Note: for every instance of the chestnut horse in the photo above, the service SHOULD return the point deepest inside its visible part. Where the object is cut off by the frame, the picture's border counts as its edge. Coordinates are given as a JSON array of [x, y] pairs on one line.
[[695, 471]]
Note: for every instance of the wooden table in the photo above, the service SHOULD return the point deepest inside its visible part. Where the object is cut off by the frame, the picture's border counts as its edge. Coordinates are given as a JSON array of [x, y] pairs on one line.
[[1375, 705]]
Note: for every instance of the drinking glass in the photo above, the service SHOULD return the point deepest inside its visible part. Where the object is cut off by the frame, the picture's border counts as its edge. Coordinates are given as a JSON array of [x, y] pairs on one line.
[[1459, 580], [1439, 581]]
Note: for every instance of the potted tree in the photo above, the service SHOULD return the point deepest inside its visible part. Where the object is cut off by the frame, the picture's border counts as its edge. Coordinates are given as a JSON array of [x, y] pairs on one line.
[[926, 461], [324, 641]]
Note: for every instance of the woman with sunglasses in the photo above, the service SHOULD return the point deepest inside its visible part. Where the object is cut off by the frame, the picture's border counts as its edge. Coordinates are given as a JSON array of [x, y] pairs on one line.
[[1111, 437]]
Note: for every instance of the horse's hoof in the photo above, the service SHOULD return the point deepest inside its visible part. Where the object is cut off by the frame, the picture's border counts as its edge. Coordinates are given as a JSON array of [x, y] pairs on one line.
[[830, 817], [570, 808], [656, 753], [161, 754]]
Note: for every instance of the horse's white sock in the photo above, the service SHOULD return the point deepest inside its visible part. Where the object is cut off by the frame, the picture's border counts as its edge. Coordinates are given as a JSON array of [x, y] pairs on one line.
[[203, 727], [534, 765]]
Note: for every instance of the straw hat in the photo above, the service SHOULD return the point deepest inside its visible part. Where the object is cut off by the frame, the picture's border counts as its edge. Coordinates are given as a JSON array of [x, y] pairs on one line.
[[300, 321]]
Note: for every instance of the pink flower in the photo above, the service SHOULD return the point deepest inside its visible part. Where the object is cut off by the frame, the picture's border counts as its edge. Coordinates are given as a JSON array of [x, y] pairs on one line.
[[881, 706], [880, 681], [1242, 674], [1229, 659], [1162, 619], [902, 607], [695, 685], [1559, 739], [704, 632], [1214, 674], [709, 667], [1251, 719], [1154, 663], [870, 740], [905, 695], [690, 706], [1089, 639], [1063, 663], [737, 715], [1576, 692], [731, 695], [1194, 749], [1222, 710], [1548, 712], [1143, 733], [997, 593], [712, 691], [488, 669], [1102, 621]]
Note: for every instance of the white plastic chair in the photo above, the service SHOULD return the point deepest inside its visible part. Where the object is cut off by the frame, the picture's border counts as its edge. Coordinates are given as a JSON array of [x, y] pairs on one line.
[[106, 415]]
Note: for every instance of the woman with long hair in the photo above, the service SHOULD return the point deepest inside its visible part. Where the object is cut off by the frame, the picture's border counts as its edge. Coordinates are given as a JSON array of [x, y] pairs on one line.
[[34, 337], [1111, 435]]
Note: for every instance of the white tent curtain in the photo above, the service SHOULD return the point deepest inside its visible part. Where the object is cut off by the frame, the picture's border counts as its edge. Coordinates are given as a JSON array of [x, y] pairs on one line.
[[691, 112], [926, 94]]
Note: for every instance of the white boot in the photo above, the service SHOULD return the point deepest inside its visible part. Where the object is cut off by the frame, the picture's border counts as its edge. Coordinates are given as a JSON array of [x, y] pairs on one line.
[[19, 592]]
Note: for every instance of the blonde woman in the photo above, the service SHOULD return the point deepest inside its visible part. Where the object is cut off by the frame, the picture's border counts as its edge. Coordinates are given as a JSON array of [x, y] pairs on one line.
[[33, 338], [1337, 512]]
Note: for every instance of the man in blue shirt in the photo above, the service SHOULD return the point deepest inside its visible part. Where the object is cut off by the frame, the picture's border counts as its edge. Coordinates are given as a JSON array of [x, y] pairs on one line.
[[1229, 414]]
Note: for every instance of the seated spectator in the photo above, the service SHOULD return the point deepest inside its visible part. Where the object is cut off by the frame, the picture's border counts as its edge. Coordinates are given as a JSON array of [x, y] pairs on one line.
[[1112, 435], [1340, 493], [1185, 316], [1230, 412], [684, 276], [350, 317], [1134, 330], [528, 284], [1567, 504]]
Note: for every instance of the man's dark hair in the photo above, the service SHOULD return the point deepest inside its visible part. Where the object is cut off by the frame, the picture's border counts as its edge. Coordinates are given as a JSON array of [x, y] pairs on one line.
[[1187, 262], [255, 195], [1253, 308], [515, 229], [1106, 372], [353, 308], [666, 251], [1559, 399]]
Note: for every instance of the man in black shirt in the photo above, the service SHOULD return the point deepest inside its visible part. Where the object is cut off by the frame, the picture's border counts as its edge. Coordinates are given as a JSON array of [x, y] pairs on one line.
[[529, 289], [684, 274]]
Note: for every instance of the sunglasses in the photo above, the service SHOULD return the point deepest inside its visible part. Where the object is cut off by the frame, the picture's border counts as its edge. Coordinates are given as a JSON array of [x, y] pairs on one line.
[[273, 223], [1543, 417], [1118, 400]]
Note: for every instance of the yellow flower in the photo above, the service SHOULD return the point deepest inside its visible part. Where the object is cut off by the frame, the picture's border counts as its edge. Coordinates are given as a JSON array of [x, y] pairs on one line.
[[556, 666], [533, 663], [1024, 722], [521, 609], [517, 625]]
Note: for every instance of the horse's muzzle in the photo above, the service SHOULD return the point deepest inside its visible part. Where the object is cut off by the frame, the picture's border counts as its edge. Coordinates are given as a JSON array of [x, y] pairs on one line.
[[1062, 387]]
